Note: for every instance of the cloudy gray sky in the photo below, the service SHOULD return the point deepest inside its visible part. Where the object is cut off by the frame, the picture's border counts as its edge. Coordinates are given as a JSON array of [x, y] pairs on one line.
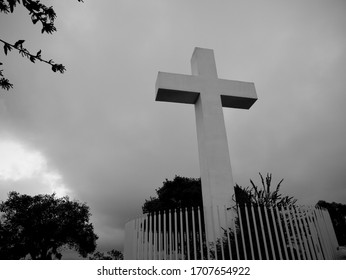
[[96, 133]]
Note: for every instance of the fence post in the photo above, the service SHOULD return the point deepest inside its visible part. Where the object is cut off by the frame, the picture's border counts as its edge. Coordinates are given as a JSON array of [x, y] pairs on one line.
[[300, 233], [176, 233], [275, 231], [228, 232], [249, 231], [331, 233], [270, 232], [242, 231], [194, 233], [321, 234], [281, 231], [187, 232], [309, 233], [256, 232], [235, 235]]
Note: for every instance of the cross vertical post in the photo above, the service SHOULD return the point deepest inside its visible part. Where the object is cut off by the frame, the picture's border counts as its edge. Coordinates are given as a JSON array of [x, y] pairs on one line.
[[209, 94]]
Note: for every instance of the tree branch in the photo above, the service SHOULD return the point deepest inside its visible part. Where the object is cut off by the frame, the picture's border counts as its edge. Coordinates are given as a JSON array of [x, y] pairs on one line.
[[38, 13], [25, 53], [4, 83]]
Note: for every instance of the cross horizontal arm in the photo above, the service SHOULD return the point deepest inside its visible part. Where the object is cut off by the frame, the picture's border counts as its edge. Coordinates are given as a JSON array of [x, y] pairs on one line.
[[176, 88], [186, 89], [236, 94]]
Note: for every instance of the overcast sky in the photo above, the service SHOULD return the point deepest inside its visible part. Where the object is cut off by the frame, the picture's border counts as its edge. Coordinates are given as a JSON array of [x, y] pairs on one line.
[[96, 134]]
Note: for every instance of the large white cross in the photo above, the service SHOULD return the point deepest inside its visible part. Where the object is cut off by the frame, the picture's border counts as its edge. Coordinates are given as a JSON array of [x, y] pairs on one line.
[[209, 94]]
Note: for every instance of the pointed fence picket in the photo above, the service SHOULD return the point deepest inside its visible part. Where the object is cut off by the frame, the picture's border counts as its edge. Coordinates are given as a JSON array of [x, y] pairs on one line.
[[253, 232]]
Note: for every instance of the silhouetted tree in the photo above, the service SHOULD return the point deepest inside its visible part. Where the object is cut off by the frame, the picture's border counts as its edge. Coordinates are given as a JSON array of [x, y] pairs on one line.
[[337, 213], [38, 13], [110, 255], [39, 226], [179, 193]]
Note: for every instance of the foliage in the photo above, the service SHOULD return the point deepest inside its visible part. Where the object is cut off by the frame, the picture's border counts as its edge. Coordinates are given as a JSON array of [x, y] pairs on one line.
[[39, 226], [110, 255], [264, 197], [178, 193], [187, 192], [337, 212], [38, 13]]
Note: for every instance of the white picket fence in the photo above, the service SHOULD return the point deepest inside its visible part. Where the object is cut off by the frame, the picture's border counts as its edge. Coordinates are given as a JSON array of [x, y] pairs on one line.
[[253, 232]]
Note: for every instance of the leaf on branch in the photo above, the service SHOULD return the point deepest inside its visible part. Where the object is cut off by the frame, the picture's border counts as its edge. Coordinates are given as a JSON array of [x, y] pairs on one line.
[[51, 13], [48, 28], [43, 17], [24, 53], [3, 7], [58, 67], [34, 19], [5, 84], [7, 48], [12, 4], [61, 68], [32, 5], [38, 55], [32, 59], [19, 44]]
